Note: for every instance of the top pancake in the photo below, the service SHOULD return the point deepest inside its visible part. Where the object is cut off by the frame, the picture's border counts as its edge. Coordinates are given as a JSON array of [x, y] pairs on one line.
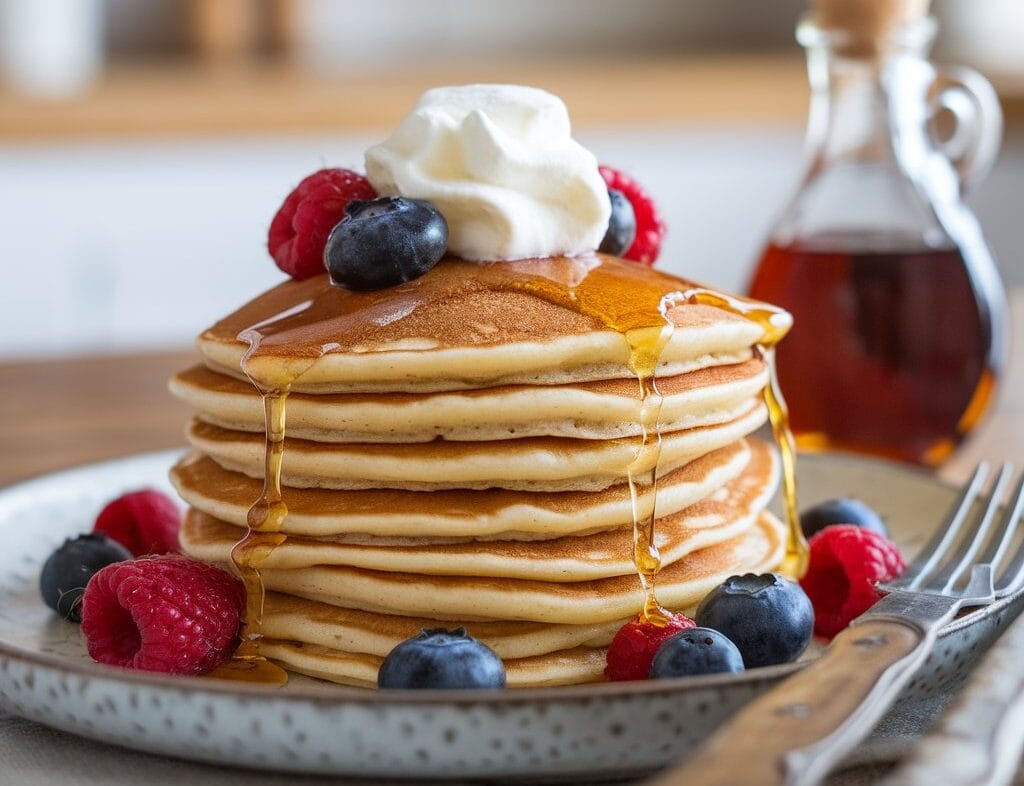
[[468, 324]]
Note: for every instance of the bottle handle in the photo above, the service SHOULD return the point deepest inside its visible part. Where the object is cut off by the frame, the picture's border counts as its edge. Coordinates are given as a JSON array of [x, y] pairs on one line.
[[970, 99]]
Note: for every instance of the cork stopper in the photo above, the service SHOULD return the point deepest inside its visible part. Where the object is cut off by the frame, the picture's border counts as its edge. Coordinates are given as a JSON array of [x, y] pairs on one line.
[[867, 27]]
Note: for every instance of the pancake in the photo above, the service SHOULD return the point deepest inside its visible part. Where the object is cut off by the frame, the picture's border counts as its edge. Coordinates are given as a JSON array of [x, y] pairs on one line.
[[567, 667], [460, 598], [531, 464], [473, 324], [726, 514], [454, 514], [605, 409], [289, 618]]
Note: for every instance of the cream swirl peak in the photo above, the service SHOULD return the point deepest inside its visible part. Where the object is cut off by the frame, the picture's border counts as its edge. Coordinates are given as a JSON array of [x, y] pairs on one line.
[[500, 163]]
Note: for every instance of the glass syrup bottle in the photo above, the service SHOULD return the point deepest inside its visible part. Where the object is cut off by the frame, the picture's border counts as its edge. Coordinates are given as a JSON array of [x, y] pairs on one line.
[[900, 327]]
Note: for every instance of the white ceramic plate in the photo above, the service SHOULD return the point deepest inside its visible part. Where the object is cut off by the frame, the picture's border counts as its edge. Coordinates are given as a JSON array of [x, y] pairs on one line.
[[312, 727]]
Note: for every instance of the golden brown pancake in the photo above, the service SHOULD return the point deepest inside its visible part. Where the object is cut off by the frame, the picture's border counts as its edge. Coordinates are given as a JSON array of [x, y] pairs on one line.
[[603, 409], [345, 646], [531, 464], [289, 618], [727, 513], [474, 324], [462, 599], [568, 667], [457, 514]]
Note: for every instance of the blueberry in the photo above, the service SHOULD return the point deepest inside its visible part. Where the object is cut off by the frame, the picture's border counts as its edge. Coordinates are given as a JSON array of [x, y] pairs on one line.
[[621, 226], [769, 618], [695, 651], [384, 242], [68, 569], [441, 659], [841, 511]]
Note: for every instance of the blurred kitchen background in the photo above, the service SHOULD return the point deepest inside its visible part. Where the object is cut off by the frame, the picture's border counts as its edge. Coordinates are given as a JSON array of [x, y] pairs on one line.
[[145, 144]]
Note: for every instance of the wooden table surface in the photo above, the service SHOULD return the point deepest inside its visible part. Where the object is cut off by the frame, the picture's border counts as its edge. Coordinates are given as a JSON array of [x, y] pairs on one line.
[[59, 413]]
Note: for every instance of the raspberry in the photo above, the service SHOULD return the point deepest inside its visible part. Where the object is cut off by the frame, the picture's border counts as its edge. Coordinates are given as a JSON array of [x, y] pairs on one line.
[[650, 229], [144, 522], [634, 646], [300, 228], [166, 614], [846, 564]]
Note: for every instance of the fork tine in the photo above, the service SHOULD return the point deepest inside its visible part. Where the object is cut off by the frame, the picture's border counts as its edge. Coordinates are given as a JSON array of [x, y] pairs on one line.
[[974, 538], [932, 553], [1011, 577], [1002, 539]]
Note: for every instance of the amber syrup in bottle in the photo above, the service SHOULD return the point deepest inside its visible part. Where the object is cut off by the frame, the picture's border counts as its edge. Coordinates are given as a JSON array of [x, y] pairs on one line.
[[899, 328], [891, 353]]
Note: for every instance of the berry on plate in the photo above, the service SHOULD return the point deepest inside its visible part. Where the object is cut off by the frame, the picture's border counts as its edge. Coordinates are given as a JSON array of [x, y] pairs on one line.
[[144, 522], [621, 226], [841, 511], [633, 648], [441, 659], [695, 651], [68, 569], [385, 242], [767, 617], [846, 564], [300, 228], [166, 614], [650, 229]]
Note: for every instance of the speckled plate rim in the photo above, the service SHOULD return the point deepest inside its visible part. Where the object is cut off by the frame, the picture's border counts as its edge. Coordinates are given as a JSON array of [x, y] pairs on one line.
[[339, 695]]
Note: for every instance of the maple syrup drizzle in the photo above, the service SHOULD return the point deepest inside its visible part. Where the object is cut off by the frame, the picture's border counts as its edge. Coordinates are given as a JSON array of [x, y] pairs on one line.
[[264, 520], [776, 324], [643, 322], [645, 346]]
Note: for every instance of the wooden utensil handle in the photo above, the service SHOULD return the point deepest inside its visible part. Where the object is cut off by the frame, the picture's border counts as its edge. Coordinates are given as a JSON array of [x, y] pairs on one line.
[[794, 733]]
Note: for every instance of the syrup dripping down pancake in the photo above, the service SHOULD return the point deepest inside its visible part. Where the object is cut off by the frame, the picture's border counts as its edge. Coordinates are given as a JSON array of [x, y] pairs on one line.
[[725, 514], [470, 325], [604, 409], [531, 464], [457, 514], [461, 598]]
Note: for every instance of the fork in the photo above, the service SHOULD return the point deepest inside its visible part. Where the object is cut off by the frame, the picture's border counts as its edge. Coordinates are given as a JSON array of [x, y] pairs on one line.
[[797, 732]]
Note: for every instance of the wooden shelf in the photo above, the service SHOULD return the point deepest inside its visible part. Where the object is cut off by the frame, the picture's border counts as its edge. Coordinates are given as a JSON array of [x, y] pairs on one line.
[[173, 100], [176, 100]]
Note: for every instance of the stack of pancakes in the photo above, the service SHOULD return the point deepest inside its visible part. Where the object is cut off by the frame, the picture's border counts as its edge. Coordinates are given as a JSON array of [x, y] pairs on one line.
[[462, 460]]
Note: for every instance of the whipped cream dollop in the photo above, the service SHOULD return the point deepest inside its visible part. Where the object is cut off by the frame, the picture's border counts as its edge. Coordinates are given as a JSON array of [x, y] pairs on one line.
[[500, 163]]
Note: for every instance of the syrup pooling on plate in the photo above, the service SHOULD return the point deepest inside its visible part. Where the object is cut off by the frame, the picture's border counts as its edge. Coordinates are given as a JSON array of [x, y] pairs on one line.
[[776, 324]]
